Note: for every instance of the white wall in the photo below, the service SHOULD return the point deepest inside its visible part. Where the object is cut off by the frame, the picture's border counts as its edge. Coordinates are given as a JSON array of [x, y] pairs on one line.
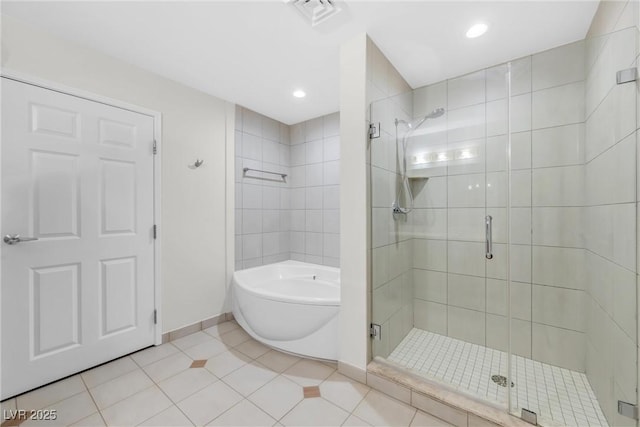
[[354, 212], [365, 76], [193, 126]]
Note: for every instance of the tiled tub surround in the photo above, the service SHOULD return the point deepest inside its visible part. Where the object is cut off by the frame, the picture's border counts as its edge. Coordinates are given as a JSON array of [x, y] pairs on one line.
[[262, 205], [296, 219], [315, 191], [219, 377]]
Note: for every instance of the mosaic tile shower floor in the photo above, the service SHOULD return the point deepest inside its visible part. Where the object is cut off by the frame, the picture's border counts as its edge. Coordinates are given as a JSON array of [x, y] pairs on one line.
[[559, 396]]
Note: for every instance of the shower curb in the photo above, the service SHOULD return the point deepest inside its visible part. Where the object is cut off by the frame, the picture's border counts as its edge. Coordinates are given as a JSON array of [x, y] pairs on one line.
[[436, 399]]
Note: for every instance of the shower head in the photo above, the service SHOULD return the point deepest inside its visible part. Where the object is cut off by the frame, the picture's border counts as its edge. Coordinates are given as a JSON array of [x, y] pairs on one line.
[[435, 113], [416, 123]]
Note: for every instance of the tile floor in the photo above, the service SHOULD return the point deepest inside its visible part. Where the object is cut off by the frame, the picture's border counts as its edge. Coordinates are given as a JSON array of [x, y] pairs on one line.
[[218, 377], [558, 395]]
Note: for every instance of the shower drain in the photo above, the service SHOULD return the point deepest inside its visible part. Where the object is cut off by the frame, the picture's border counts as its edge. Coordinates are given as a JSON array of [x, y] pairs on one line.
[[501, 380]]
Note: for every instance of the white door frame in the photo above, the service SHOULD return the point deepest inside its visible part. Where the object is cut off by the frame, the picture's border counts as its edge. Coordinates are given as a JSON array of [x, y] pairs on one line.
[[157, 165]]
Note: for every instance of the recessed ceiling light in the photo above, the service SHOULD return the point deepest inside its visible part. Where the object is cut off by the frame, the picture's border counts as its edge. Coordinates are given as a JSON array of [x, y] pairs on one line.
[[477, 30], [299, 93]]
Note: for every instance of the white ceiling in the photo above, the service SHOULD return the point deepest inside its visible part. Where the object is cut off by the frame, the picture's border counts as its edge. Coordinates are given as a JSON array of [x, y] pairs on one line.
[[256, 53]]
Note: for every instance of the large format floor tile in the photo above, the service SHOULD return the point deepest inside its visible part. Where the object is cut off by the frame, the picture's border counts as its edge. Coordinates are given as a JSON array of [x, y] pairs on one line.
[[219, 377], [244, 413], [207, 404], [249, 378], [278, 396], [315, 412]]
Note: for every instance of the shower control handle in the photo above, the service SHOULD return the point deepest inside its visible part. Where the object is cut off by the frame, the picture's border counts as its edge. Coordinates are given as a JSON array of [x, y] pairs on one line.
[[488, 231]]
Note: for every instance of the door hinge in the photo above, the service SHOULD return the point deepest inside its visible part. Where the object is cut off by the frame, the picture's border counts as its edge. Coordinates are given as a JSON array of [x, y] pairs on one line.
[[155, 147], [626, 76], [375, 331], [155, 231], [628, 410], [374, 131], [529, 416], [155, 317]]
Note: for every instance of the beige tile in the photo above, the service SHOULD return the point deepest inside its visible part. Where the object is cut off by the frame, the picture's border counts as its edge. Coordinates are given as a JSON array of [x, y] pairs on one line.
[[108, 371], [186, 383], [198, 363], [226, 362], [333, 365], [68, 411], [52, 393], [170, 417], [153, 354], [212, 321], [277, 397], [184, 331], [137, 408], [423, 419], [445, 412], [113, 391], [277, 361], [379, 409], [311, 392], [94, 420], [206, 349], [252, 348], [191, 340], [315, 412], [308, 372], [475, 421], [343, 391], [244, 413], [234, 338], [8, 404], [222, 328], [249, 378], [207, 404], [352, 372], [354, 421], [168, 367], [389, 388]]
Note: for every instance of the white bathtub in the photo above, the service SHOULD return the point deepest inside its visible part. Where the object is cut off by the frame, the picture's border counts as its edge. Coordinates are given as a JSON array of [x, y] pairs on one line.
[[292, 306]]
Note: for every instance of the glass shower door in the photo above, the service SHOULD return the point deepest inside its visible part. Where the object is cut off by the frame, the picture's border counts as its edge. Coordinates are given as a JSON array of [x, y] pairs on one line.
[[439, 241], [574, 216]]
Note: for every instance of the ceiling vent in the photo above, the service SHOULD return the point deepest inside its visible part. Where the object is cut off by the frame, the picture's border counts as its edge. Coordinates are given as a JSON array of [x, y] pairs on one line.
[[316, 11]]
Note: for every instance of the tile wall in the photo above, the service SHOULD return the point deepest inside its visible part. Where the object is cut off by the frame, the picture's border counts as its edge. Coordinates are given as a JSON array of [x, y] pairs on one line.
[[391, 245], [315, 191], [262, 200], [457, 291], [297, 218], [610, 210]]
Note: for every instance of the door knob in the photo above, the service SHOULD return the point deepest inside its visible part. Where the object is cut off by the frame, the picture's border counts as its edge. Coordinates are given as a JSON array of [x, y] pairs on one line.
[[13, 239]]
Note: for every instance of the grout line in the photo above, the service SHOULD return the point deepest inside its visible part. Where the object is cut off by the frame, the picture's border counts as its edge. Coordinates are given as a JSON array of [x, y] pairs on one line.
[[94, 401]]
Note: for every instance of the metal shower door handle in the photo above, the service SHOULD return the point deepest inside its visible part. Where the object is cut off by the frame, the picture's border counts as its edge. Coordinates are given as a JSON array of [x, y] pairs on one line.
[[488, 231], [14, 239]]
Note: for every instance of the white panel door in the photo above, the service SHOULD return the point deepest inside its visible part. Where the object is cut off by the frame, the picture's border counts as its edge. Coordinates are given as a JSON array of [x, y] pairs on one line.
[[77, 175]]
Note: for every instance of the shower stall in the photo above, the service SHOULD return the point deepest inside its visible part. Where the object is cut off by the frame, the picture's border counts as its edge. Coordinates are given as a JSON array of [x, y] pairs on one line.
[[503, 240]]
